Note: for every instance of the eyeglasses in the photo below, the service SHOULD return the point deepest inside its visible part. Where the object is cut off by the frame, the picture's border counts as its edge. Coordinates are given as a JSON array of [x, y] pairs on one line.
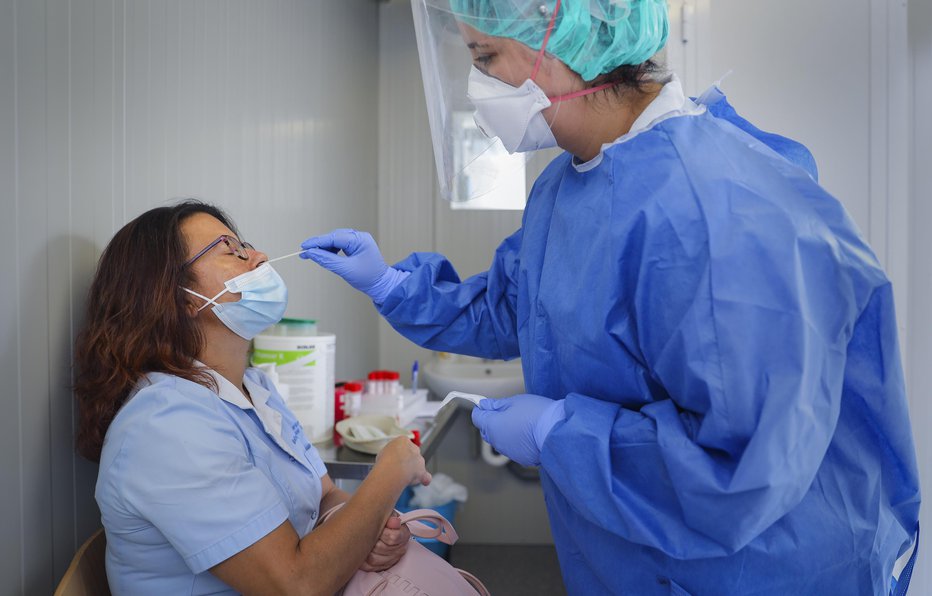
[[233, 243]]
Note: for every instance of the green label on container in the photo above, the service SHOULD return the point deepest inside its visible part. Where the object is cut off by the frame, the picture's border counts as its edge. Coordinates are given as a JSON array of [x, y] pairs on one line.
[[280, 357]]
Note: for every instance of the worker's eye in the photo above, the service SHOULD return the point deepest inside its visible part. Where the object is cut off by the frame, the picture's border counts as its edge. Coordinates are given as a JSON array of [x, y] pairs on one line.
[[482, 61]]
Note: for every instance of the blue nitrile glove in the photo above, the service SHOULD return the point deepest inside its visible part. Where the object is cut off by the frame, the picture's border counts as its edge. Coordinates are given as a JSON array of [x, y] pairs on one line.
[[362, 265], [518, 426]]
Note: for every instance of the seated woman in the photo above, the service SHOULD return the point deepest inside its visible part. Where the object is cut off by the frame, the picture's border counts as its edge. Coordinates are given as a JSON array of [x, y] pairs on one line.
[[207, 483]]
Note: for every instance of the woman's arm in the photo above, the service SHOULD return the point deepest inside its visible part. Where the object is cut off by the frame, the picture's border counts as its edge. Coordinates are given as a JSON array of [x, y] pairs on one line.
[[324, 560], [331, 495], [393, 541]]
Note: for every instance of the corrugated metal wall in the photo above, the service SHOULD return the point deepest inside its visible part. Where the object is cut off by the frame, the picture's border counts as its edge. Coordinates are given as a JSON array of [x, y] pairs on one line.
[[111, 107]]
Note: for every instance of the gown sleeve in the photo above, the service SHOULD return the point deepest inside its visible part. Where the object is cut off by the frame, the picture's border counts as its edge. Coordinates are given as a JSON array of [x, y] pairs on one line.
[[744, 329], [476, 316]]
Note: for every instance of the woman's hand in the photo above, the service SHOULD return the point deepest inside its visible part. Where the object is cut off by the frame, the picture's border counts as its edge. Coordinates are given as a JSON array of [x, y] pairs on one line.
[[400, 460], [392, 545], [405, 458]]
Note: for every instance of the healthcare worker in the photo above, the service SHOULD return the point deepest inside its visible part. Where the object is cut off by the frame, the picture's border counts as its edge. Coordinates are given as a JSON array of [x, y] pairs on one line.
[[715, 394]]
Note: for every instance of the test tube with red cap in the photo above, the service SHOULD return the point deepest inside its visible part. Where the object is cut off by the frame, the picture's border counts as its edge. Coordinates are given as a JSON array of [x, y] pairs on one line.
[[375, 382], [392, 382], [352, 398]]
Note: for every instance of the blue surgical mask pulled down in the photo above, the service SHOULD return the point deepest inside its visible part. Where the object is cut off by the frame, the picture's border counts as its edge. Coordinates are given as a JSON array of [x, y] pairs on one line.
[[262, 303]]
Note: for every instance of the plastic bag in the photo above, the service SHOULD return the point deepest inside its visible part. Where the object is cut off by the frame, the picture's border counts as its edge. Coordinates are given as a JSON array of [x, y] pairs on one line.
[[441, 490]]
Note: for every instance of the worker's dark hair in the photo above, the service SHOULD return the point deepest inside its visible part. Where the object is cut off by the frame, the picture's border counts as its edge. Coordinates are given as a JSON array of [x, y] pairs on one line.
[[137, 318], [627, 77]]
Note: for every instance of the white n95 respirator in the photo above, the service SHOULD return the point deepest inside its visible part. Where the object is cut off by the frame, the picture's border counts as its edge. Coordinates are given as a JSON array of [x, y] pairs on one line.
[[513, 114]]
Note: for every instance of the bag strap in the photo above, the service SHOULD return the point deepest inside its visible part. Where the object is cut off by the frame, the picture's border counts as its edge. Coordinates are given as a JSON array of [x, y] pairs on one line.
[[329, 513], [474, 581], [441, 529], [438, 528]]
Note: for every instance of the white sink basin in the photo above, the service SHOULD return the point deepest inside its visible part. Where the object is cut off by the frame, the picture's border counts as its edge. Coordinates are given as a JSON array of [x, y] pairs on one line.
[[491, 378]]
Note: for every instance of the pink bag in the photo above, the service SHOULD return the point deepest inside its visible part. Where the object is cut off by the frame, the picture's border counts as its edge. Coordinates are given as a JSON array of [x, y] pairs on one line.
[[420, 571]]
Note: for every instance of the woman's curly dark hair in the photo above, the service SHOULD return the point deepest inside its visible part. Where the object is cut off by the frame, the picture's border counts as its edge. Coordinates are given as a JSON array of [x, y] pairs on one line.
[[137, 321]]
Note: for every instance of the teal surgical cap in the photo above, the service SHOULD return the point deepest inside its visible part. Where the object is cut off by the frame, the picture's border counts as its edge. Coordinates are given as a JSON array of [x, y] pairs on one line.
[[592, 37]]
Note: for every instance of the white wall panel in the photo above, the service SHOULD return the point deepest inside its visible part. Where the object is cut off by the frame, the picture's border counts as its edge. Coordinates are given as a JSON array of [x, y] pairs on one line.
[[920, 272], [411, 214], [33, 87], [807, 77], [111, 107], [501, 509], [10, 452], [56, 240], [407, 183], [836, 80]]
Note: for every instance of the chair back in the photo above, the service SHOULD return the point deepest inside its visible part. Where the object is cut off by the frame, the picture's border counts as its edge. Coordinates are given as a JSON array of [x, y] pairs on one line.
[[87, 574]]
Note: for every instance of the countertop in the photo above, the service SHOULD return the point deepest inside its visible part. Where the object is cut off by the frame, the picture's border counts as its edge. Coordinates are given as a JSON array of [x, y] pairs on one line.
[[344, 463]]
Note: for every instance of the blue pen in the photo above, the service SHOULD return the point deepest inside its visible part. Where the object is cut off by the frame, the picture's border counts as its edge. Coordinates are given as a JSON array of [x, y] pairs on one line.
[[414, 377]]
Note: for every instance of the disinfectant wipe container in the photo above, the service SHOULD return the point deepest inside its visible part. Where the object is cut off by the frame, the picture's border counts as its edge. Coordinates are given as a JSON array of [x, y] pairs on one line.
[[303, 360]]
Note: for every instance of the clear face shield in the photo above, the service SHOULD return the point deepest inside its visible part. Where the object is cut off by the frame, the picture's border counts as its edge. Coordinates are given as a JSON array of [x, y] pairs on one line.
[[481, 61], [486, 131]]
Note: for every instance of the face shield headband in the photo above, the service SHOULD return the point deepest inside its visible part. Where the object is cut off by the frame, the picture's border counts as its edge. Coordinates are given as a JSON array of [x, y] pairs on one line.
[[540, 59]]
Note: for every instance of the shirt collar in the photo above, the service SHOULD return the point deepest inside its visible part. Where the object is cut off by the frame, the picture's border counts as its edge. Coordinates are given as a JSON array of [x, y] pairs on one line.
[[260, 395], [231, 394], [269, 417], [670, 99], [670, 102]]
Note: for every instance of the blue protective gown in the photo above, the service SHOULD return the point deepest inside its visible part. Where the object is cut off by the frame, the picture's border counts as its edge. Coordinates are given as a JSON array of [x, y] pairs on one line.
[[726, 344]]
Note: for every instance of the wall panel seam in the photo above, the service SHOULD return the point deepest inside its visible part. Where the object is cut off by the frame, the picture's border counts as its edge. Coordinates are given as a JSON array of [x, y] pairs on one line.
[[70, 376], [19, 335]]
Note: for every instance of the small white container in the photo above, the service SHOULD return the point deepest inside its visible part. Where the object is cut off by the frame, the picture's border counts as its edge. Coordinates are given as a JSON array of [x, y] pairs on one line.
[[403, 406]]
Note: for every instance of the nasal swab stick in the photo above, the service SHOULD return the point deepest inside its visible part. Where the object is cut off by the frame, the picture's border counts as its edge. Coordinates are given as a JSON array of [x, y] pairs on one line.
[[294, 254]]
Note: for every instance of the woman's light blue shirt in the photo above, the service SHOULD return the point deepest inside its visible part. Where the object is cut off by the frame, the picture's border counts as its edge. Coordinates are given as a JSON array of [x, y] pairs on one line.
[[189, 477]]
